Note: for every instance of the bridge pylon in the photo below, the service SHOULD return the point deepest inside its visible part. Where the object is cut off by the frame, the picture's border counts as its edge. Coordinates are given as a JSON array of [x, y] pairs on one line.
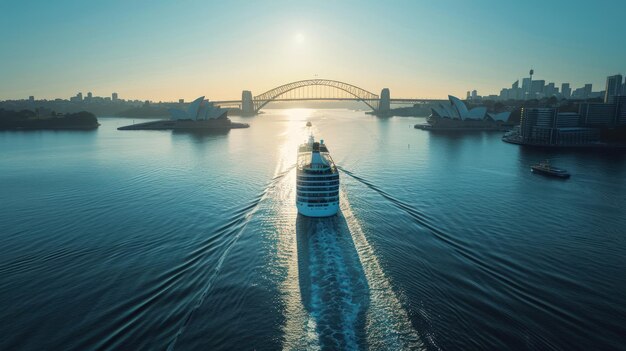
[[247, 103], [384, 104]]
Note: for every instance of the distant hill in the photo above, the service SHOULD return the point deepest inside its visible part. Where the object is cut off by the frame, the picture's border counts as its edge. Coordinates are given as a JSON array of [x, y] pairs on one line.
[[29, 120]]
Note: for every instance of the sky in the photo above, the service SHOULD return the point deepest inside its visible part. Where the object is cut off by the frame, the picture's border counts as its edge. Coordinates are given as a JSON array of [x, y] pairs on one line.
[[166, 50]]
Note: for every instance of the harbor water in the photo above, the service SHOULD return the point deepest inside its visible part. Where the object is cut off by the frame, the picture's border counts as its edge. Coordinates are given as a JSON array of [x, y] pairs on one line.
[[153, 240]]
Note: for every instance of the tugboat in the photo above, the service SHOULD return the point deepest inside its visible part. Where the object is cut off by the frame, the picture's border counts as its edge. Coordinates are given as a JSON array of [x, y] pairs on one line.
[[546, 169], [308, 123], [317, 180]]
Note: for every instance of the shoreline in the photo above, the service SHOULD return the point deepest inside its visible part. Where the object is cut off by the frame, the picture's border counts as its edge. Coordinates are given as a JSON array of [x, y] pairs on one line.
[[187, 125], [598, 146]]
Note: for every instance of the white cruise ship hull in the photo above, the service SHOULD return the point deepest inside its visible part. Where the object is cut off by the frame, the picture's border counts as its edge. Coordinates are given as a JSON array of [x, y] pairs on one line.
[[327, 210]]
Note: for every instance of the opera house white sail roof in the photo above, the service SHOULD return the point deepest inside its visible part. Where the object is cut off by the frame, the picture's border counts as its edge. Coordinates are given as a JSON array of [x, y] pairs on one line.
[[456, 109], [200, 109]]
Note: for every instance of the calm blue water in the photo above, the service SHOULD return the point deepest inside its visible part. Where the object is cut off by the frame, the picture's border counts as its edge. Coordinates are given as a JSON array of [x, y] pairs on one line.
[[159, 240]]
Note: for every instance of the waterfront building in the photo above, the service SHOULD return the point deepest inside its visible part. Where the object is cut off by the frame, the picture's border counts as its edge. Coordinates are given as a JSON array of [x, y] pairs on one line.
[[199, 109], [546, 126], [620, 117], [613, 88], [536, 124], [456, 115], [567, 120], [597, 114]]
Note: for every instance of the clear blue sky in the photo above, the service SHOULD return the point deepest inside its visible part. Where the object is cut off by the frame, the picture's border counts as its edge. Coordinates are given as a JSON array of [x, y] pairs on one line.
[[168, 50]]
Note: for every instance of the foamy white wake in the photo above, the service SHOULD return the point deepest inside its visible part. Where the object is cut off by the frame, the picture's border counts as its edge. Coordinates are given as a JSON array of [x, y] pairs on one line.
[[335, 293], [388, 325]]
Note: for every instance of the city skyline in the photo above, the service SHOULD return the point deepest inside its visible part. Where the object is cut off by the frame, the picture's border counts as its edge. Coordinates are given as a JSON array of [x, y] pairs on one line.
[[166, 51]]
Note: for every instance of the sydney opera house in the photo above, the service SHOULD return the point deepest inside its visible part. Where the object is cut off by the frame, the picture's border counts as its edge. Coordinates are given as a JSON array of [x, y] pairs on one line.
[[200, 115], [455, 115], [199, 110]]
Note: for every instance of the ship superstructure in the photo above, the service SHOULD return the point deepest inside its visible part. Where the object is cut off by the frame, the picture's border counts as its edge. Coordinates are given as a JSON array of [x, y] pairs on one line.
[[317, 180]]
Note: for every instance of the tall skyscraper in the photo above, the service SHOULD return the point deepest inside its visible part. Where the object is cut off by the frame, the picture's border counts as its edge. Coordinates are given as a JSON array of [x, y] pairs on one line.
[[613, 88], [515, 85], [526, 82], [536, 88], [587, 90], [468, 95], [114, 96], [566, 91], [474, 94], [550, 90]]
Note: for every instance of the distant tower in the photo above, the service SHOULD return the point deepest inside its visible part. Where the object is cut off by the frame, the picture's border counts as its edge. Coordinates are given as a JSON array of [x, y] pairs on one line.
[[468, 95], [247, 104], [384, 104], [114, 96]]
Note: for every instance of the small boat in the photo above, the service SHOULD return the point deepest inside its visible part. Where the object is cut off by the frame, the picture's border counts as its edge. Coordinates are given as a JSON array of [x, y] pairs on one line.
[[308, 123], [546, 169]]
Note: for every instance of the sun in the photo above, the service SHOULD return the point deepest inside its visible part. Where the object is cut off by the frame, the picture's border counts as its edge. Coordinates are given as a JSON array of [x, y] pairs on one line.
[[299, 38]]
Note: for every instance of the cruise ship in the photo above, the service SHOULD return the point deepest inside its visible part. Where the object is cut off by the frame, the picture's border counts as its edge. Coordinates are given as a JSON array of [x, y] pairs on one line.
[[317, 181]]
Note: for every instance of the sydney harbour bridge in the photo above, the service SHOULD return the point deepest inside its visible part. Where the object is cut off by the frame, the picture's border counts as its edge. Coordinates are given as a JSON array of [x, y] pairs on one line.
[[318, 90]]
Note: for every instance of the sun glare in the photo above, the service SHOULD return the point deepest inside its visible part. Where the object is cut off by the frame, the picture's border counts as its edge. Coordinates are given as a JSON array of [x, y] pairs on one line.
[[299, 38]]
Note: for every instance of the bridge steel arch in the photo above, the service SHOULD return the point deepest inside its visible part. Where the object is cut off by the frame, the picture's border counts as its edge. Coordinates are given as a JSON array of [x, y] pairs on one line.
[[370, 99]]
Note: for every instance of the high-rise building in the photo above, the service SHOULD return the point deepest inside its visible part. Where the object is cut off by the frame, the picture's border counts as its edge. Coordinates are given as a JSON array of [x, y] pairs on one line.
[[536, 88], [114, 96], [526, 82], [536, 124], [31, 98], [79, 96], [515, 85], [549, 90], [468, 95], [474, 94], [181, 101], [566, 91], [613, 88], [587, 90], [504, 93]]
